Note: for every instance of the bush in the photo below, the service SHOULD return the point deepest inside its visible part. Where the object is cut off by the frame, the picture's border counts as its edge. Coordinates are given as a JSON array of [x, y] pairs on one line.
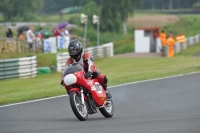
[[74, 20], [124, 46], [196, 5]]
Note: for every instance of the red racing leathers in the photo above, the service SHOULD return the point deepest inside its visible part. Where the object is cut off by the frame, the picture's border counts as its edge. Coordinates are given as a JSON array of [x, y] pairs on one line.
[[89, 65]]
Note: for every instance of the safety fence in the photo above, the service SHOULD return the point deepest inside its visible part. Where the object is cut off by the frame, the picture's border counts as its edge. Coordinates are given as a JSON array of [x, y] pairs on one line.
[[47, 45], [188, 42], [15, 25], [102, 51], [18, 24], [18, 68], [15, 45]]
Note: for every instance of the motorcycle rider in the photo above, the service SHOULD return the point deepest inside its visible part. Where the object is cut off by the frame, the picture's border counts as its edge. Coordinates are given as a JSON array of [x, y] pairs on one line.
[[76, 53]]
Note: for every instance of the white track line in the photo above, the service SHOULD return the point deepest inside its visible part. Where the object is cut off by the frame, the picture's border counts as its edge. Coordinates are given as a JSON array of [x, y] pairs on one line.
[[108, 87], [155, 79], [32, 101]]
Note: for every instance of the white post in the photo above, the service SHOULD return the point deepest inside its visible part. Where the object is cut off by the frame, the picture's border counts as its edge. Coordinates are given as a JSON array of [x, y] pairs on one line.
[[96, 20], [85, 32], [84, 19], [98, 25]]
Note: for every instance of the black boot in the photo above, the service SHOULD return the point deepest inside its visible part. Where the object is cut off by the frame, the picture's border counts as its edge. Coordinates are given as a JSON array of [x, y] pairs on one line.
[[108, 95]]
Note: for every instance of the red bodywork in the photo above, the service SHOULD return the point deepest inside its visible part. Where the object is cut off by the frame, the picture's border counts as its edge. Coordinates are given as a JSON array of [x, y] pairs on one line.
[[92, 85]]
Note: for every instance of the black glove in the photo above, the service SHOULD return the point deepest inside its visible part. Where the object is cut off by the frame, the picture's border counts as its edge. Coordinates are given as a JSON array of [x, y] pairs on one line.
[[61, 83], [88, 74]]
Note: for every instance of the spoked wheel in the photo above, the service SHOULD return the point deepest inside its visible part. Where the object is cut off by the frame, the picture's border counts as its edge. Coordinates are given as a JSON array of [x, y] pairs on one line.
[[108, 109], [80, 110]]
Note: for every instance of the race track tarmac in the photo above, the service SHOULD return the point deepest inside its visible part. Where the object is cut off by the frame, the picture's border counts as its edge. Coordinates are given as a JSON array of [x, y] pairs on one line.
[[169, 105]]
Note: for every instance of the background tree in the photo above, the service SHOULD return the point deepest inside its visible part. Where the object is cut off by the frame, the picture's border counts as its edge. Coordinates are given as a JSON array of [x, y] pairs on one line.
[[20, 10], [53, 6], [114, 12], [79, 2], [166, 4], [90, 9]]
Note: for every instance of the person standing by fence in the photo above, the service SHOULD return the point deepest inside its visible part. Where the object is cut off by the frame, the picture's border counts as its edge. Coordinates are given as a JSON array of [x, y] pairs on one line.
[[39, 35], [163, 41], [170, 44], [30, 38], [21, 35], [56, 31], [9, 33]]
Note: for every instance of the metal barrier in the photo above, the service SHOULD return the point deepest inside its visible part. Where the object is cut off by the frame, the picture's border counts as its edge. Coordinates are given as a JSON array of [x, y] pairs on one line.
[[102, 51], [18, 68], [15, 25], [179, 47]]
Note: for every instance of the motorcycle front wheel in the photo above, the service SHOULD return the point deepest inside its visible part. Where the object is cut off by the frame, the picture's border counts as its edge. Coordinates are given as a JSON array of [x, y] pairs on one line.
[[108, 109], [80, 110]]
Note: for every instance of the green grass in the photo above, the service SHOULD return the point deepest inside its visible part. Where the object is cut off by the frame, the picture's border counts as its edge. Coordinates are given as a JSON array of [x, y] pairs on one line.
[[56, 17], [136, 69], [190, 51], [188, 25], [118, 71], [16, 90]]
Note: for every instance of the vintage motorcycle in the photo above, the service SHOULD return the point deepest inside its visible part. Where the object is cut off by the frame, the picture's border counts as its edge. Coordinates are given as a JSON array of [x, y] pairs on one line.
[[86, 95]]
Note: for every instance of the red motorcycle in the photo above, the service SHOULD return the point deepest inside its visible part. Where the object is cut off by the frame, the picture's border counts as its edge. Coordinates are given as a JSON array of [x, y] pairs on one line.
[[85, 95]]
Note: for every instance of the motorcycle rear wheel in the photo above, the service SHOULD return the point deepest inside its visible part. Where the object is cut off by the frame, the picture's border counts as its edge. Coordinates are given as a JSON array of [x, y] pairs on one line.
[[80, 110], [108, 109]]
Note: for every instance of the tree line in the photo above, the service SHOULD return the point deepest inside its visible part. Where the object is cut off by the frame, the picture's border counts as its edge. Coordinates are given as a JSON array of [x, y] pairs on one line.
[[113, 13], [52, 6], [167, 4]]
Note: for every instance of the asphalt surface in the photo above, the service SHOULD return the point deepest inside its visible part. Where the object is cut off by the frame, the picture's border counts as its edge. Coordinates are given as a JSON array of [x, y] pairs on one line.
[[170, 105]]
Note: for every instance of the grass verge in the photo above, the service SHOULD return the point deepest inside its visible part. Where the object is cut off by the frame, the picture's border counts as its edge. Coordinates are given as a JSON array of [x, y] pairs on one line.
[[118, 71]]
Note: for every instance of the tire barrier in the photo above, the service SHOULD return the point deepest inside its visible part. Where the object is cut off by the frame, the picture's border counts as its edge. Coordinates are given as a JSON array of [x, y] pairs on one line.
[[18, 68]]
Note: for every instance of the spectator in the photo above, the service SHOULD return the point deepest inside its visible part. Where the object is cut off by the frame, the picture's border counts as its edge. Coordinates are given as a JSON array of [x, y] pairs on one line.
[[155, 34], [62, 32], [163, 38], [40, 34], [170, 44], [57, 31], [21, 35], [9, 33], [30, 38], [67, 32], [163, 41]]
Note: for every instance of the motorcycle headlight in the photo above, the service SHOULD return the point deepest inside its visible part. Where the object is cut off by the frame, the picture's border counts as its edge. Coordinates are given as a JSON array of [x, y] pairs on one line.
[[70, 79]]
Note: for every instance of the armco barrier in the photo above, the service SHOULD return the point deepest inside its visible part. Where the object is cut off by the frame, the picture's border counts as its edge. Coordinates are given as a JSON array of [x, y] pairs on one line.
[[179, 47], [18, 67], [102, 51]]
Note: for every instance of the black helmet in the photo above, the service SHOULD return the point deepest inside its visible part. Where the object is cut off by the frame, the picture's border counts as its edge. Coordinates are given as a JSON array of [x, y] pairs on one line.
[[75, 49]]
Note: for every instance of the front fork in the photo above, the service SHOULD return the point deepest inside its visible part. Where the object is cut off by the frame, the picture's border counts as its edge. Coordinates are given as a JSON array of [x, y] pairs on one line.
[[82, 96]]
